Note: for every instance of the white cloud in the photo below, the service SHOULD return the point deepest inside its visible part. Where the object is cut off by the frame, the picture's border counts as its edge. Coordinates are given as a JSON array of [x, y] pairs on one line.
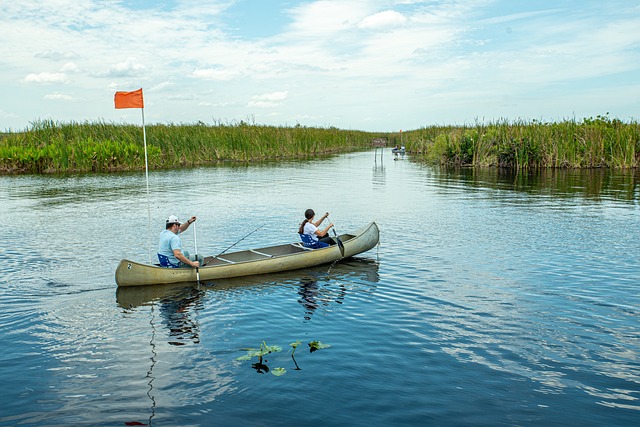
[[46, 78], [382, 20], [55, 55], [268, 100], [58, 97], [328, 16], [70, 67], [213, 74], [126, 68], [399, 63]]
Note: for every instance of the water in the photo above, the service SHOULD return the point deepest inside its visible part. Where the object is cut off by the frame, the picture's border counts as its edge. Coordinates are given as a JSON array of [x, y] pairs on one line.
[[492, 299]]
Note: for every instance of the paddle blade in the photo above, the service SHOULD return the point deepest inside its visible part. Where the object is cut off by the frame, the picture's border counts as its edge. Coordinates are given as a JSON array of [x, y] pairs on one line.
[[340, 245]]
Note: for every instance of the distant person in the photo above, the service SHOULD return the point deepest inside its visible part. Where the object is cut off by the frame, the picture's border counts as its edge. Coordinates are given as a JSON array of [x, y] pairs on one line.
[[170, 247], [309, 232]]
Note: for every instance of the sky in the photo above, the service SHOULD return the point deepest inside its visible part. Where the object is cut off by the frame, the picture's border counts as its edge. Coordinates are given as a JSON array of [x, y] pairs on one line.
[[372, 65]]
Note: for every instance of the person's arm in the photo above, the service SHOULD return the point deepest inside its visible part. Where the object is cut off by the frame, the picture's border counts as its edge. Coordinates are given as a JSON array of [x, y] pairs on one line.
[[322, 218], [178, 254], [324, 232], [186, 225]]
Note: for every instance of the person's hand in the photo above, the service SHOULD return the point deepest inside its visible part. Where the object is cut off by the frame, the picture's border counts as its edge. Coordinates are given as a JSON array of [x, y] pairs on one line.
[[330, 225], [192, 219], [196, 264]]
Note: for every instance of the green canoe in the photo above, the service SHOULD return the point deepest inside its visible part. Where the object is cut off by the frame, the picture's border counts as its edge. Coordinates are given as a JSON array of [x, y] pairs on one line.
[[271, 259]]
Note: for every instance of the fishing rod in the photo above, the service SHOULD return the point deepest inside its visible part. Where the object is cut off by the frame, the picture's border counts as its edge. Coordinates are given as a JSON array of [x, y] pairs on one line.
[[234, 244]]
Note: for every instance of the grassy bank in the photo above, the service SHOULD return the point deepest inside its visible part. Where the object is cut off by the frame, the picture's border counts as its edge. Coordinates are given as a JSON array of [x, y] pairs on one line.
[[590, 143], [49, 146]]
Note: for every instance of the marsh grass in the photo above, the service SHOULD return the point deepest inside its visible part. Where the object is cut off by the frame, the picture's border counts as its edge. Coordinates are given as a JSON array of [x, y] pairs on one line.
[[49, 146], [591, 143]]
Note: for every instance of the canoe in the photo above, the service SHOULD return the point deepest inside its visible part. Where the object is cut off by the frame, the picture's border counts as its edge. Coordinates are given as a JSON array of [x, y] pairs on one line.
[[271, 259], [351, 273]]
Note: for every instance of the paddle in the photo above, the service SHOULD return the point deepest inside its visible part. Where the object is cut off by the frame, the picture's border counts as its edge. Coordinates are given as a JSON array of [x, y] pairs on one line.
[[195, 244], [340, 245]]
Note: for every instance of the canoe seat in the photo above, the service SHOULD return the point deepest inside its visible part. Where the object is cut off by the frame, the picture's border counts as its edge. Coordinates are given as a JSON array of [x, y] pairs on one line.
[[308, 242], [164, 262]]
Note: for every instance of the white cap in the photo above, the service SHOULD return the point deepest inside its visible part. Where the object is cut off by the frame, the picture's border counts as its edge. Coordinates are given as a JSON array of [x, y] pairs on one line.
[[173, 220]]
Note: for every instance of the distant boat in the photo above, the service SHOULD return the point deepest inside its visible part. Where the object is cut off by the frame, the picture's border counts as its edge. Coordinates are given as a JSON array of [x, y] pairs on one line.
[[400, 150], [272, 259]]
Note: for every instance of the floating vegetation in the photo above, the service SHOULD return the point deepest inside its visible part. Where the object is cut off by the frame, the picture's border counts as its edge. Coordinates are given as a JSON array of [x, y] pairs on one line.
[[317, 345], [261, 365], [278, 371]]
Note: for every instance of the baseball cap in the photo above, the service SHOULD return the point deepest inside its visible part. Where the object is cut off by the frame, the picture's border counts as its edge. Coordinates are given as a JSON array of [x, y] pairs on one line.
[[173, 220]]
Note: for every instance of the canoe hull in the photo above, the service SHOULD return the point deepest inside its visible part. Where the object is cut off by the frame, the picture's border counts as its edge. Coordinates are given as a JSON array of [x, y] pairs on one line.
[[245, 263]]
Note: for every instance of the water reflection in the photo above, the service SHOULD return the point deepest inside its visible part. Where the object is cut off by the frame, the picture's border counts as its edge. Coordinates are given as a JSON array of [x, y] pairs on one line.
[[176, 303], [594, 184], [312, 296], [318, 286], [177, 315], [379, 172]]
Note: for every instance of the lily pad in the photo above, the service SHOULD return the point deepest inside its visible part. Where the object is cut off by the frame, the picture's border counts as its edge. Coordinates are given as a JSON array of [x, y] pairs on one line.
[[278, 371], [317, 345]]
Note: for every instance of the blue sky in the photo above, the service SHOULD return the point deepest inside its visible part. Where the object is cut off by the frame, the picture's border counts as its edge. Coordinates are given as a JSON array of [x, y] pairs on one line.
[[373, 65]]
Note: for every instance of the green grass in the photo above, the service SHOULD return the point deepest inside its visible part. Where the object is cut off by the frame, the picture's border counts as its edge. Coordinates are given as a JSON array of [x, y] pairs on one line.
[[50, 147], [590, 143]]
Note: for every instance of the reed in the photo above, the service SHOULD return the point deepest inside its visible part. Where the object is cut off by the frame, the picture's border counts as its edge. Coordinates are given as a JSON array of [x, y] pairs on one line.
[[48, 146], [590, 143]]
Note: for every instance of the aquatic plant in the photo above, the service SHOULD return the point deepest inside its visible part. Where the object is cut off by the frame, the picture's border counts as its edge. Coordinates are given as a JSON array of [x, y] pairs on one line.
[[317, 345], [261, 367], [264, 349]]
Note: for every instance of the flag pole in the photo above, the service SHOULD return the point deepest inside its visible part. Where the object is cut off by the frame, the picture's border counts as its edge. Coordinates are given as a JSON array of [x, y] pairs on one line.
[[146, 172]]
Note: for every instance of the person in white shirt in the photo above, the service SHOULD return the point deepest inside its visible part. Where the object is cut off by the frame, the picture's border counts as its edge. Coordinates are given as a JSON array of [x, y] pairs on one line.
[[310, 228]]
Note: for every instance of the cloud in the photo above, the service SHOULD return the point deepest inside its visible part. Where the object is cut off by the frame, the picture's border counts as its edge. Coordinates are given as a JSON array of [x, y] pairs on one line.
[[126, 68], [326, 17], [46, 78], [382, 20], [393, 61], [70, 67], [55, 55], [160, 87], [58, 97], [213, 74], [268, 100]]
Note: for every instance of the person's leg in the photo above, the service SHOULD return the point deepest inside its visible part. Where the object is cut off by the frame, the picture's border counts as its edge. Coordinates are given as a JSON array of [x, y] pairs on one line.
[[328, 240], [191, 258]]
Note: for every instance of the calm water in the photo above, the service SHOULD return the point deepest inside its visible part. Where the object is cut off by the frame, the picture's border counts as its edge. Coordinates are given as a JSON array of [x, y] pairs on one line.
[[491, 300]]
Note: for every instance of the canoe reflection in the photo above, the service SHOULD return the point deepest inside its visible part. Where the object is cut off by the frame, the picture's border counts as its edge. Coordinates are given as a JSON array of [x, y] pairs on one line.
[[177, 303], [181, 298]]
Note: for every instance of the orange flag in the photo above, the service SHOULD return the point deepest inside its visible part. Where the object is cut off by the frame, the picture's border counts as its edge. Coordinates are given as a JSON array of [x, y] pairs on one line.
[[129, 99]]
